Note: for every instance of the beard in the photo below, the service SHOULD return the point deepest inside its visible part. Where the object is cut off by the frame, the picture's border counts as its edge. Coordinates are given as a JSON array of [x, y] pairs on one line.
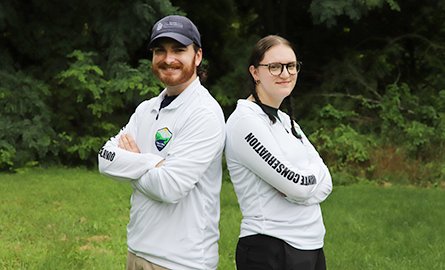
[[187, 71]]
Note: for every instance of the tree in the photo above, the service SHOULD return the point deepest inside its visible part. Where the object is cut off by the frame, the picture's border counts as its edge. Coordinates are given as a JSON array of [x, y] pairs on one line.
[[370, 83], [370, 70], [83, 59]]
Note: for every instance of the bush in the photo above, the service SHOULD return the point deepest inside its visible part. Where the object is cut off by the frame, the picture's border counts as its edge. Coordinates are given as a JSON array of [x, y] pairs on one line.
[[94, 104], [26, 133], [345, 151]]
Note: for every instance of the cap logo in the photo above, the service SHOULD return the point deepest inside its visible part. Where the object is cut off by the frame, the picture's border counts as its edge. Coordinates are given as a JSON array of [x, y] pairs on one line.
[[174, 25]]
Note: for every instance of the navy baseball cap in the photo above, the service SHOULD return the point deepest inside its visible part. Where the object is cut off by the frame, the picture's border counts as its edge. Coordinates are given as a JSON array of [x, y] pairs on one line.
[[178, 28]]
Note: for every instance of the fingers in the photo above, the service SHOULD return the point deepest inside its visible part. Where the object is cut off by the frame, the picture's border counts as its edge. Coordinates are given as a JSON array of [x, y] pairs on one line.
[[127, 142], [132, 144], [160, 163], [123, 142]]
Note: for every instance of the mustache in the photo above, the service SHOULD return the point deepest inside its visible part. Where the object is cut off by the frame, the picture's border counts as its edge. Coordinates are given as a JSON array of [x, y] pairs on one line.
[[164, 65]]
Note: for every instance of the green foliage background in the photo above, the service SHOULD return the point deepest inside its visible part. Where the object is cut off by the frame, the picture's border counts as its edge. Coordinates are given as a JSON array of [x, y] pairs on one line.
[[371, 94]]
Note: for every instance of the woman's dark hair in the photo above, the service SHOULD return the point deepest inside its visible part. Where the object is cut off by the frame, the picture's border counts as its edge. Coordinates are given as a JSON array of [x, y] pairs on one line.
[[258, 52]]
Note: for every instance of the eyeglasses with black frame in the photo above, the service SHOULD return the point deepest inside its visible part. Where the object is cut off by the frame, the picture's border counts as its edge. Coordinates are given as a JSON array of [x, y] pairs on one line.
[[276, 69]]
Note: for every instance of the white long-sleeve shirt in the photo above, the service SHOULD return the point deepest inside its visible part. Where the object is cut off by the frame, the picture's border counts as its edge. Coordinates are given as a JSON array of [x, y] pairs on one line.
[[279, 179], [175, 208]]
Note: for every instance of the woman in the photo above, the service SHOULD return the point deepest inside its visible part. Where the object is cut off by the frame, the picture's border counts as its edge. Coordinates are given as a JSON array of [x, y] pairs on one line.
[[278, 176]]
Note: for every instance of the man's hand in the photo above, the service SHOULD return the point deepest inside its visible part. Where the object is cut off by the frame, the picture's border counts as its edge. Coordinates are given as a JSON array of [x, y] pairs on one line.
[[127, 142], [161, 163]]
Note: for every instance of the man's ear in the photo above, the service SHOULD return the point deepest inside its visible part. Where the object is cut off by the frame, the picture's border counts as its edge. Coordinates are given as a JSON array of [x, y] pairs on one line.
[[198, 57]]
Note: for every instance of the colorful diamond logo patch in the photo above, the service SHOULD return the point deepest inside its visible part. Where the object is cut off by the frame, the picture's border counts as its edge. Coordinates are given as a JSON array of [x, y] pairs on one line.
[[162, 138]]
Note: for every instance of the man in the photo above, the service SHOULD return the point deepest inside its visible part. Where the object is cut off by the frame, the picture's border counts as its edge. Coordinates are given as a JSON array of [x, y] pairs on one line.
[[170, 151]]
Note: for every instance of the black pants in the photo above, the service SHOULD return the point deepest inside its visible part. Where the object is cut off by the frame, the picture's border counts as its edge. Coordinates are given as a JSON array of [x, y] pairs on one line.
[[262, 252]]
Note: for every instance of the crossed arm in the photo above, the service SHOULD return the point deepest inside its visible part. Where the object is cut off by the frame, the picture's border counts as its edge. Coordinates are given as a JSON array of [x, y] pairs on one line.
[[127, 142]]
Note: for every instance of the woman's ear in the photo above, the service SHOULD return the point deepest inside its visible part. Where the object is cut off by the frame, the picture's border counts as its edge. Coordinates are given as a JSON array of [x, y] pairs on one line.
[[254, 72]]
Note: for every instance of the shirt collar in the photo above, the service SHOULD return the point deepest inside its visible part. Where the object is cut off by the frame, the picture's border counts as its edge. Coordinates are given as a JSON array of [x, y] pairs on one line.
[[257, 109], [188, 91]]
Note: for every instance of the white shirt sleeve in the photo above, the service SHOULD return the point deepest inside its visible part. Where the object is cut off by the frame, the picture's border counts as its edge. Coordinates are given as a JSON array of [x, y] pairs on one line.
[[321, 193], [121, 164], [189, 156], [258, 150], [325, 188]]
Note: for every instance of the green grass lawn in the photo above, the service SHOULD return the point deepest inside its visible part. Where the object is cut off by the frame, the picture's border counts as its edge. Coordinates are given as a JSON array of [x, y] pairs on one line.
[[76, 219]]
